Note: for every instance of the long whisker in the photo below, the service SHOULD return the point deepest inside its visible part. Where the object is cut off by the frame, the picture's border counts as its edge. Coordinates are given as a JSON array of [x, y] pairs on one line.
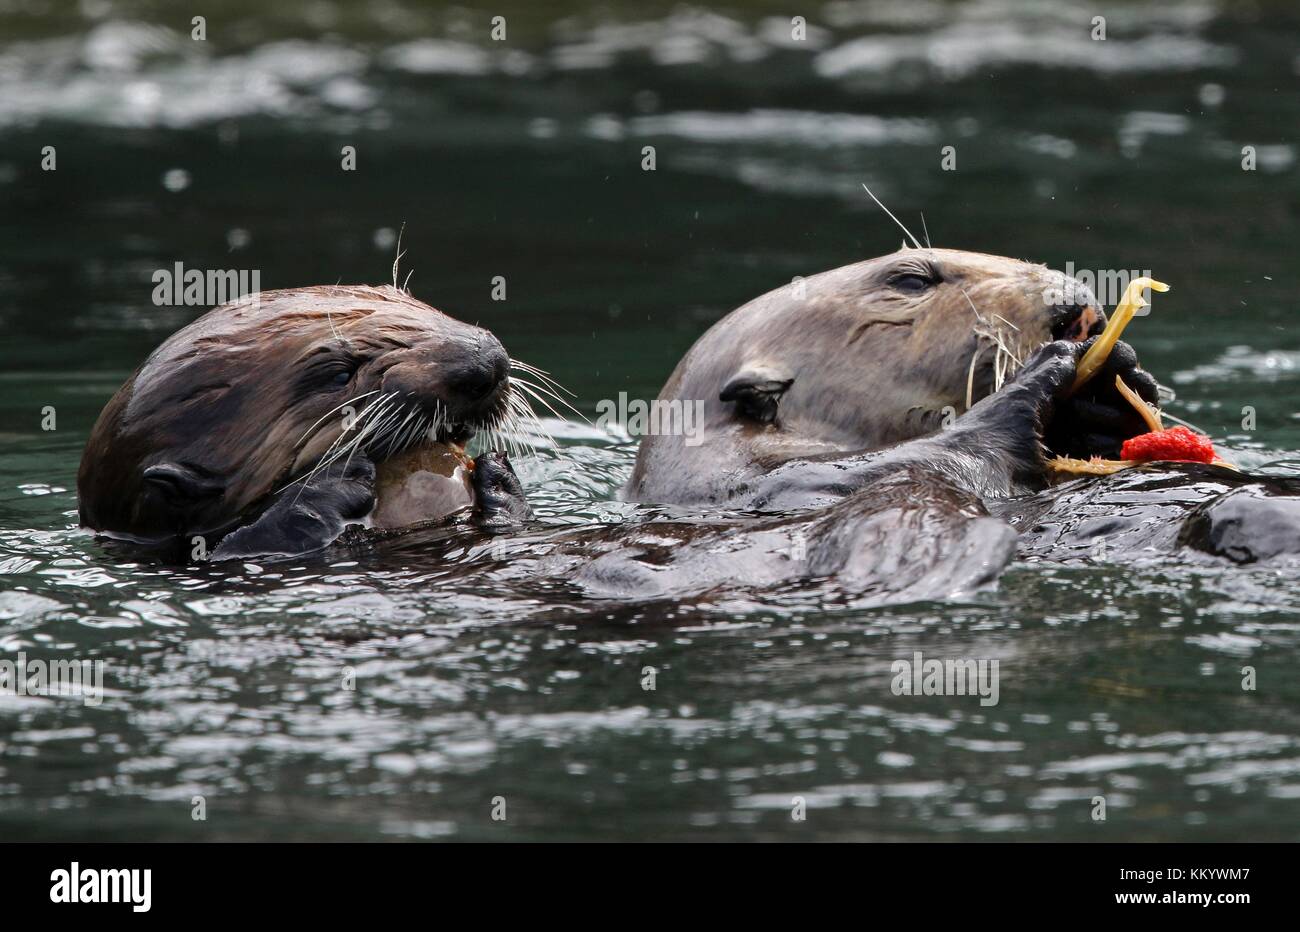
[[400, 252], [541, 374], [374, 426], [361, 428], [401, 429], [549, 389], [320, 420], [914, 240], [342, 443], [970, 375], [531, 389], [519, 425], [508, 430], [346, 436], [1005, 359]]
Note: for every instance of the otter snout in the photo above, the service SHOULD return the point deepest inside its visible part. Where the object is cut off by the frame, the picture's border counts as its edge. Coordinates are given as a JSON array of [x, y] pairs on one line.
[[465, 375], [481, 374], [1073, 309], [1077, 322]]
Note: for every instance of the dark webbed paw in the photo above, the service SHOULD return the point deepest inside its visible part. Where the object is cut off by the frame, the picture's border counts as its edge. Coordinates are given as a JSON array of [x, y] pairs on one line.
[[499, 500], [306, 516], [1008, 426], [1037, 405], [1096, 420]]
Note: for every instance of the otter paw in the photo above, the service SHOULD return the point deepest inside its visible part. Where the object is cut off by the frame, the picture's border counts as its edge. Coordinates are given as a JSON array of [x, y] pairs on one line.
[[1005, 429], [1049, 370], [306, 516], [1029, 399], [499, 500], [1097, 419]]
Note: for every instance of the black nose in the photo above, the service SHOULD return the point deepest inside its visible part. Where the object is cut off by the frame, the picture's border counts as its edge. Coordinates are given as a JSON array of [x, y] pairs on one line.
[[480, 374], [1077, 322], [1075, 312]]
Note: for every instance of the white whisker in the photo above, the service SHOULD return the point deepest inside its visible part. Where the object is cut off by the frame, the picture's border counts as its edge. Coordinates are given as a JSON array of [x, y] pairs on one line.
[[970, 375], [915, 242], [351, 400], [343, 443], [541, 374], [398, 260], [531, 389]]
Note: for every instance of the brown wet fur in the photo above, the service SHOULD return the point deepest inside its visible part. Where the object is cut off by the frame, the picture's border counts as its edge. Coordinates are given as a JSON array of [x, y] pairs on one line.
[[230, 397]]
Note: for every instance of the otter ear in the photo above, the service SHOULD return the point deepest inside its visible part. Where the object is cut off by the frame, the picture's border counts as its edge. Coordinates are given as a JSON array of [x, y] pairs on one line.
[[179, 482], [756, 391]]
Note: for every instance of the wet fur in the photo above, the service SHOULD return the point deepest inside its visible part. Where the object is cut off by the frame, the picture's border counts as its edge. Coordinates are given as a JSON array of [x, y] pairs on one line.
[[868, 364], [242, 403]]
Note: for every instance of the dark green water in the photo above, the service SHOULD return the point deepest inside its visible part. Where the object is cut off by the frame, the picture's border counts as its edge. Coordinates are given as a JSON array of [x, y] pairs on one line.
[[523, 159]]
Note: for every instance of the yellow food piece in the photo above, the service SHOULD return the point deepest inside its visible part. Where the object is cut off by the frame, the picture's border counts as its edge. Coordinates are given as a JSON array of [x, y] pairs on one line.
[[1144, 410], [1093, 467], [1100, 467], [1129, 305], [425, 483]]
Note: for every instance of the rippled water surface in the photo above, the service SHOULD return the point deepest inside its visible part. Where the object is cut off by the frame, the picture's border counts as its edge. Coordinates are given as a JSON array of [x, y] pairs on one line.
[[523, 159]]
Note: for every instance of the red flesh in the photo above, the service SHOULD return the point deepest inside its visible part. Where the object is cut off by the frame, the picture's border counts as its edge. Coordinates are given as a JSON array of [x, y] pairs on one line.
[[1177, 444]]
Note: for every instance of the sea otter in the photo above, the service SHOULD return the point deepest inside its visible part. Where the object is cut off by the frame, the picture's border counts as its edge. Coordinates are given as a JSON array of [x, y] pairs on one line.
[[867, 355], [271, 423]]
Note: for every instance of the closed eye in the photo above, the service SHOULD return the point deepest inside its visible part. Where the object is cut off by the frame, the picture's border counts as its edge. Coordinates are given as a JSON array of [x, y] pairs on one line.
[[327, 369], [911, 282]]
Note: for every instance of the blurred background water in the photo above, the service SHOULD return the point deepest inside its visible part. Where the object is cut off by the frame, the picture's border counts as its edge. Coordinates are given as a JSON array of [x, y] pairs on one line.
[[522, 158]]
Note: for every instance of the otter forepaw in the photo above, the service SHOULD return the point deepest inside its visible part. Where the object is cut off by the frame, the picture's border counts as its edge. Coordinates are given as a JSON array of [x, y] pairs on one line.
[[306, 516], [1006, 429], [499, 500], [1097, 419], [1031, 397]]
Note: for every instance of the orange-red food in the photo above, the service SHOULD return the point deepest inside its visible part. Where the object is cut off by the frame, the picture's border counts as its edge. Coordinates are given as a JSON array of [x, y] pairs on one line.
[[1177, 444]]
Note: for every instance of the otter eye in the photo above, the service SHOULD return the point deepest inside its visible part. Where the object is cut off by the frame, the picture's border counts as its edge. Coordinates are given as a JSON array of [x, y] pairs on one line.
[[911, 282]]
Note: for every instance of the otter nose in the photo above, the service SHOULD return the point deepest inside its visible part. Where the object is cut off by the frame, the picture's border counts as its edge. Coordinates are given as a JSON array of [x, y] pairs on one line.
[[1076, 315], [1077, 321], [479, 374]]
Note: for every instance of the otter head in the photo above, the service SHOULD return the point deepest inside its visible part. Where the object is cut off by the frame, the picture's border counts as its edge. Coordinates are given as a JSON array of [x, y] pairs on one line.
[[854, 358], [260, 393]]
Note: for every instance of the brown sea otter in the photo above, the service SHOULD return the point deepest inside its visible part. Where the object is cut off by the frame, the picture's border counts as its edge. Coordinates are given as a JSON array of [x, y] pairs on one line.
[[271, 423]]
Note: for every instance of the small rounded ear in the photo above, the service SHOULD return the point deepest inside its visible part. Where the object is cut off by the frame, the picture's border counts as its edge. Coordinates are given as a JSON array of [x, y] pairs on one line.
[[757, 390]]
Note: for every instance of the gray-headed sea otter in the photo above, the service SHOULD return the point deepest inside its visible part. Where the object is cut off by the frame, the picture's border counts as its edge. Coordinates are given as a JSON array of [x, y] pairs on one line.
[[868, 355]]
